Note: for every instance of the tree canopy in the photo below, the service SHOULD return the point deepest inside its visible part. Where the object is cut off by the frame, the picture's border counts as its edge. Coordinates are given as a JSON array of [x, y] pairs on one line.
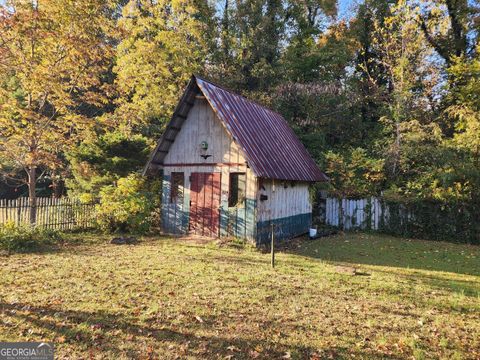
[[387, 101]]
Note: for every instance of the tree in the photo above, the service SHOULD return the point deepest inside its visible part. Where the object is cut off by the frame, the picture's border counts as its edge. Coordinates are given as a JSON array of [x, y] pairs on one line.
[[162, 44], [255, 35], [323, 57], [450, 27], [466, 111], [323, 114], [104, 158], [404, 56], [355, 173], [247, 50], [368, 78], [52, 55]]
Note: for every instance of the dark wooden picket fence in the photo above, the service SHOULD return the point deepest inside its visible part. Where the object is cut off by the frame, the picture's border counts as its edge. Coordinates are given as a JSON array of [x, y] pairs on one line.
[[426, 219], [59, 214]]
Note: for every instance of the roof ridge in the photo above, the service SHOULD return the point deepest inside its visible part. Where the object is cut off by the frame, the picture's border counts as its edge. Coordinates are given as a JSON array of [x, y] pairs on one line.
[[271, 147], [237, 94], [215, 84], [269, 144]]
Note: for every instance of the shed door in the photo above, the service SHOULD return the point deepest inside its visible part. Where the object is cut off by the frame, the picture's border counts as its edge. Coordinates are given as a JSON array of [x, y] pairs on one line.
[[205, 204]]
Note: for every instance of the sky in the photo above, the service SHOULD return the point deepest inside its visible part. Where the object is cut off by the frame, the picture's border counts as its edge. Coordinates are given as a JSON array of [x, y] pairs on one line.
[[345, 8]]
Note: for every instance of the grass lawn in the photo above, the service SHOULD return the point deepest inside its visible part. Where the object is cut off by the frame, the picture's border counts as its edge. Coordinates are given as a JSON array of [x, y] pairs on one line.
[[165, 298]]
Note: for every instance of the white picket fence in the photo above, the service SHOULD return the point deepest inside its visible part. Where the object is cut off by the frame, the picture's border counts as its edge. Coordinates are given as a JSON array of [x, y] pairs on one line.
[[60, 214], [351, 214]]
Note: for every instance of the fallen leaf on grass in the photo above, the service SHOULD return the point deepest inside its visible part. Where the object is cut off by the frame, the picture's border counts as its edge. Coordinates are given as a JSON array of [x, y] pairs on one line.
[[60, 339], [199, 319], [253, 354]]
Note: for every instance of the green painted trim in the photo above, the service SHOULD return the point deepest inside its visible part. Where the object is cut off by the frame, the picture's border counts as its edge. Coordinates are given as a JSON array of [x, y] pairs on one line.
[[175, 217], [239, 221], [285, 228], [236, 222], [165, 195]]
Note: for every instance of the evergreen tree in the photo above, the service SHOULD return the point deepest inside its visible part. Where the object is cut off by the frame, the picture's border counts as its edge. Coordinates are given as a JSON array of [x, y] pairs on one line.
[[103, 159]]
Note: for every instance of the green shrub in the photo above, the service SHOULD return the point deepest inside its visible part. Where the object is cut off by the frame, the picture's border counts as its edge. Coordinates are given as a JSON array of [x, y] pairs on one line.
[[354, 173], [129, 206], [25, 238]]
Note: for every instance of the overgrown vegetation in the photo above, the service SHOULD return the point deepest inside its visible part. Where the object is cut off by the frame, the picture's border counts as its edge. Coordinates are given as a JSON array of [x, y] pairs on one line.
[[410, 299], [26, 239], [386, 100], [434, 220], [103, 159], [129, 206]]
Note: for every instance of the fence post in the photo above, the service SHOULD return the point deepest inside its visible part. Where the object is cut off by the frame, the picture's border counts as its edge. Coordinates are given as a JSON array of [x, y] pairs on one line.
[[272, 246], [60, 214], [17, 205]]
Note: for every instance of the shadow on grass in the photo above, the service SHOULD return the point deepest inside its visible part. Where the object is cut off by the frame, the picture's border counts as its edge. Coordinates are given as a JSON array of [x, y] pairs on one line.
[[382, 250], [101, 331], [470, 288], [79, 246]]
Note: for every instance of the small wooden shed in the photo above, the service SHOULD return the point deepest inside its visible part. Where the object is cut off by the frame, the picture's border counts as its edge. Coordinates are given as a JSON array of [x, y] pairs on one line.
[[231, 167]]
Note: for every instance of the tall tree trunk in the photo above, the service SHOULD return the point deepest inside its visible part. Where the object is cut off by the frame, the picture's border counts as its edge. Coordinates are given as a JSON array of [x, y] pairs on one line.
[[32, 196], [57, 188], [457, 44], [226, 31], [396, 150]]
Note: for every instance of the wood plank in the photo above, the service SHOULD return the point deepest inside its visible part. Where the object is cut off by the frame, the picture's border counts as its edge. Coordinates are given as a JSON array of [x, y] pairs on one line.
[[194, 188], [207, 205]]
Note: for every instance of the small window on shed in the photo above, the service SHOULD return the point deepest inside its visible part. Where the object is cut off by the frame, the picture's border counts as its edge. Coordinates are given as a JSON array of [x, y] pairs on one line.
[[261, 184], [178, 180], [236, 192]]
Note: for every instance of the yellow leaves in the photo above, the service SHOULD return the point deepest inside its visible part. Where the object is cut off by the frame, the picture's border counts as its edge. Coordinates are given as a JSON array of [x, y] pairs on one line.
[[162, 46], [60, 339], [458, 191], [127, 205], [414, 131], [467, 134], [389, 21], [56, 59]]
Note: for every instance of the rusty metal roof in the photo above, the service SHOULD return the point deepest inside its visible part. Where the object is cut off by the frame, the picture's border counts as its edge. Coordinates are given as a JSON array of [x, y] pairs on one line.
[[271, 147]]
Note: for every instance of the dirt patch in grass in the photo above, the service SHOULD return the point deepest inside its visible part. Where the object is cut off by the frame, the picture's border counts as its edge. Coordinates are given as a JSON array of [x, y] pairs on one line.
[[168, 299]]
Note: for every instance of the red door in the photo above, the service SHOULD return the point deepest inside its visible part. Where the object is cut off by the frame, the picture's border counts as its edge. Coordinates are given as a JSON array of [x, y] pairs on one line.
[[205, 204]]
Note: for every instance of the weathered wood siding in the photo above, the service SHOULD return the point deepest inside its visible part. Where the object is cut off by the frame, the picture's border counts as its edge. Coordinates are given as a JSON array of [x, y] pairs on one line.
[[288, 207], [203, 125], [184, 156], [351, 214]]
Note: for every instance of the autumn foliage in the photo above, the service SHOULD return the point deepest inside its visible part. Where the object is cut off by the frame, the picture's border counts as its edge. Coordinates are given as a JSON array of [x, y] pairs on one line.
[[385, 99]]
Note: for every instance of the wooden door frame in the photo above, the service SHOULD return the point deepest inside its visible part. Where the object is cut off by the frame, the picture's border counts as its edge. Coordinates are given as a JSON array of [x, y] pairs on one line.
[[209, 227]]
